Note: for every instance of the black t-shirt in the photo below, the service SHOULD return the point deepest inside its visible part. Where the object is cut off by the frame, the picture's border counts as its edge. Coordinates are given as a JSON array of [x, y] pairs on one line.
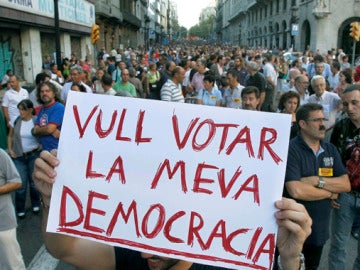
[[127, 259]]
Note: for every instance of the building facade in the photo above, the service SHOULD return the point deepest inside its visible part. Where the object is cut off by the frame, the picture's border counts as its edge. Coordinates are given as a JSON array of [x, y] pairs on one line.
[[298, 24], [27, 33]]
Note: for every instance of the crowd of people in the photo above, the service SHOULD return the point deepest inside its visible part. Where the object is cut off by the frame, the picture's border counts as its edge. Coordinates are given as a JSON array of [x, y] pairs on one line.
[[321, 91]]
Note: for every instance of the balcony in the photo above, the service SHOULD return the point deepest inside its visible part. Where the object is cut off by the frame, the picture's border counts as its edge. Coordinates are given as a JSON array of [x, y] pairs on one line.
[[105, 10], [131, 20]]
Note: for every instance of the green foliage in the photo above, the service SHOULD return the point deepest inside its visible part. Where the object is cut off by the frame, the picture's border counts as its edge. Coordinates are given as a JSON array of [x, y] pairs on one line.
[[204, 29]]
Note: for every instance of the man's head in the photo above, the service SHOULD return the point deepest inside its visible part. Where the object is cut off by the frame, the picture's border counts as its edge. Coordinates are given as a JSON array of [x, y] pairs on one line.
[[252, 67], [250, 98], [170, 65], [351, 103], [121, 65], [54, 68], [106, 81], [201, 66], [301, 83], [319, 68], [293, 73], [232, 79], [311, 121], [318, 84], [14, 82], [125, 76], [335, 67], [178, 75], [47, 93], [76, 74]]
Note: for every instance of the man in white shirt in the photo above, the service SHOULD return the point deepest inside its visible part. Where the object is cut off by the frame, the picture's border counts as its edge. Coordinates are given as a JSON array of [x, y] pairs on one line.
[[334, 77], [11, 99], [232, 95], [75, 74], [271, 78], [331, 102], [301, 85]]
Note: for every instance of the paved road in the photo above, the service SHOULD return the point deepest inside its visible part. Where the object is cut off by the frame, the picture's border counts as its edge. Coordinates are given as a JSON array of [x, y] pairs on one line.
[[36, 257]]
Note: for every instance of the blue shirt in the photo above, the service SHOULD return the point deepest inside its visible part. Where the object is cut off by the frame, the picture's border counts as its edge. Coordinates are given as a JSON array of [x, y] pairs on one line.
[[303, 162], [52, 114], [210, 98]]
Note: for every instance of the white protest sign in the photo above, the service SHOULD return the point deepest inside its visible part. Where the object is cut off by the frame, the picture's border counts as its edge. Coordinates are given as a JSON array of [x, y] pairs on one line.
[[178, 180]]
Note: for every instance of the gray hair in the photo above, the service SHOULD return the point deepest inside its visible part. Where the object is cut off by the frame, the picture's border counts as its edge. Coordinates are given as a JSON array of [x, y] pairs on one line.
[[253, 65], [77, 68], [317, 78]]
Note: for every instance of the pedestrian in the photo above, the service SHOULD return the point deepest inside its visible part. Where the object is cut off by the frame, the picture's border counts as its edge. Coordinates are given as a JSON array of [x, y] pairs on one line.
[[153, 82], [11, 99], [24, 148], [172, 90], [10, 252], [76, 74], [331, 102], [346, 137], [124, 85], [210, 95], [49, 120], [314, 176], [232, 95], [289, 103]]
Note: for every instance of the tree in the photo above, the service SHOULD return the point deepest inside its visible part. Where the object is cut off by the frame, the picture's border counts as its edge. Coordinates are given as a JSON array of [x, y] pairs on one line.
[[204, 29]]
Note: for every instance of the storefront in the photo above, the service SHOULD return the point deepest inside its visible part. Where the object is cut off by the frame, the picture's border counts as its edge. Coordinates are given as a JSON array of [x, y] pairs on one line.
[[27, 33]]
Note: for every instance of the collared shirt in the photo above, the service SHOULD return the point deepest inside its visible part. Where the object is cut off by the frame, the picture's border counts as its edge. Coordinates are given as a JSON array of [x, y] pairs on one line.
[[171, 92], [128, 87], [232, 97], [210, 98], [11, 99], [67, 87], [334, 81], [197, 81], [303, 162], [330, 102]]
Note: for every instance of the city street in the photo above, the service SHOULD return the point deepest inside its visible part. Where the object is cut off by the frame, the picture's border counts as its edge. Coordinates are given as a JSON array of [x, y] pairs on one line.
[[36, 257]]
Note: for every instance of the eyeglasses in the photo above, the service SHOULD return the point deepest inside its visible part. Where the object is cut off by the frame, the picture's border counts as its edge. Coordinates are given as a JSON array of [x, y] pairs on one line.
[[317, 120]]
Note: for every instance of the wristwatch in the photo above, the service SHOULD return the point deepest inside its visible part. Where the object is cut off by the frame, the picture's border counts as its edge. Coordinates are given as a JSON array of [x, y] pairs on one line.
[[301, 266], [321, 183]]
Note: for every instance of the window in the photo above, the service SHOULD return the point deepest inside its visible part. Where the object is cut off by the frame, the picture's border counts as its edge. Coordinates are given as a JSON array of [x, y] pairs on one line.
[[284, 4]]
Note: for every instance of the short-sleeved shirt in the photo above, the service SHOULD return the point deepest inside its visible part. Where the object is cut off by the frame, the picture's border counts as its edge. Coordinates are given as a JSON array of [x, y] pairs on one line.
[[52, 114], [127, 259], [330, 102], [129, 87], [302, 162], [232, 97], [210, 98], [11, 99], [171, 91], [8, 174], [67, 87]]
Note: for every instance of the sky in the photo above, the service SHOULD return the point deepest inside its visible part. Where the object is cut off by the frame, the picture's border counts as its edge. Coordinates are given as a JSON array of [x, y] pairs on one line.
[[189, 11]]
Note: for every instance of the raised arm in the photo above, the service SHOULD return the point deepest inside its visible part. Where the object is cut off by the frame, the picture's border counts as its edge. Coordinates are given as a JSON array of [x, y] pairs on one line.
[[82, 253], [294, 227]]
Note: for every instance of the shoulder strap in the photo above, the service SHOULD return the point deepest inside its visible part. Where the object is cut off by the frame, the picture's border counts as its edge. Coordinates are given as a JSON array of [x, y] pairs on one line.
[[16, 120]]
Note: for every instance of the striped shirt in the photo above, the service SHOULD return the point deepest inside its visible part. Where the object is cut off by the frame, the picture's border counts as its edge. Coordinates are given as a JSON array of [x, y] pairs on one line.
[[171, 92]]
